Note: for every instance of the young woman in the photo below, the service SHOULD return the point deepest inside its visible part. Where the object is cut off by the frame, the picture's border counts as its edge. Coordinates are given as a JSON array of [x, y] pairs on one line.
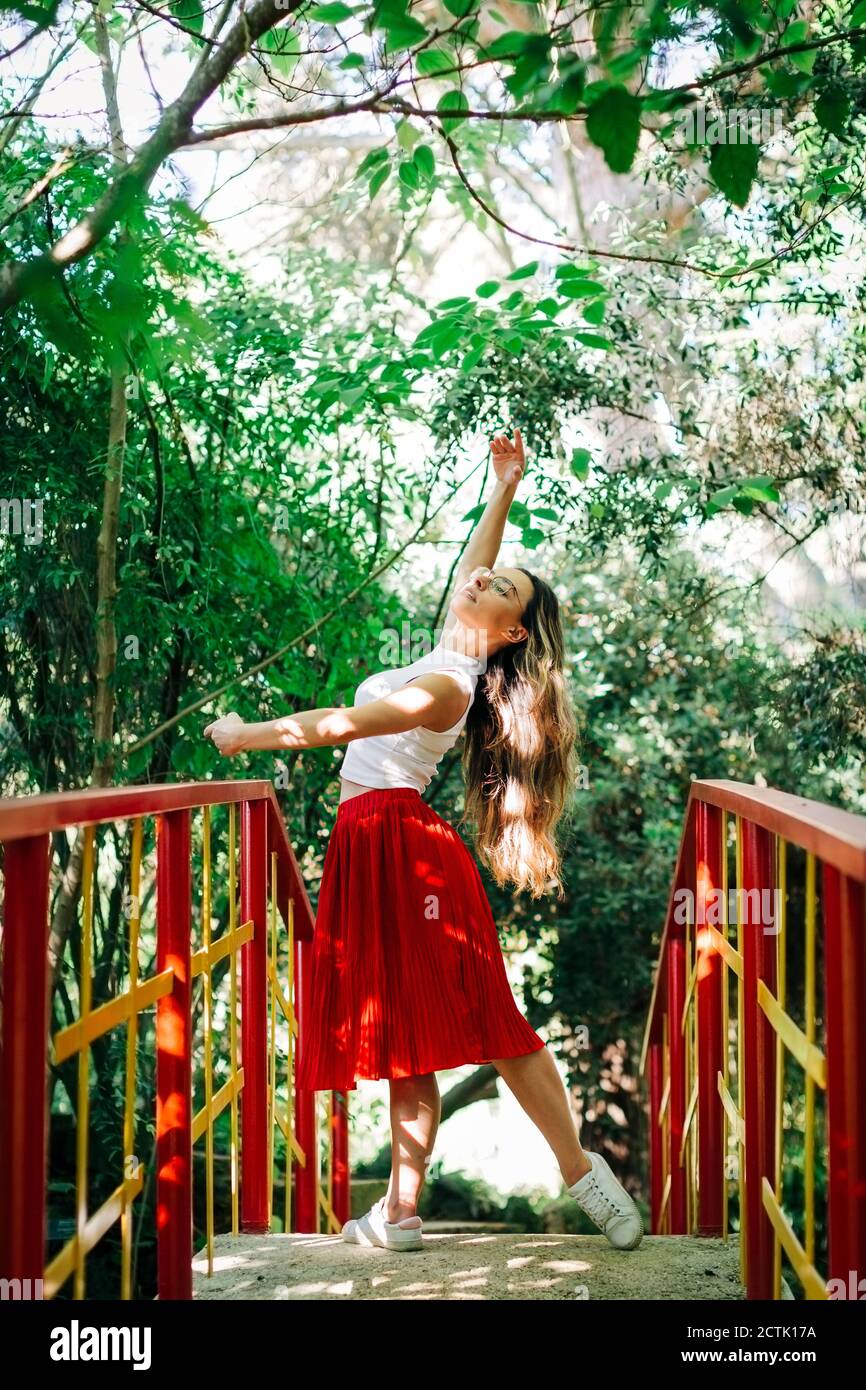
[[407, 973]]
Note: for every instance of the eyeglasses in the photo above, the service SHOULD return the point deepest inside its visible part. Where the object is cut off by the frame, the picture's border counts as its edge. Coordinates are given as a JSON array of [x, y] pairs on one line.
[[496, 582]]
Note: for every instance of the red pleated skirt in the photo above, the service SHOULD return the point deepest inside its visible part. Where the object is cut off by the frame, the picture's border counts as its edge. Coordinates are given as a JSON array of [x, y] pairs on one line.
[[407, 974]]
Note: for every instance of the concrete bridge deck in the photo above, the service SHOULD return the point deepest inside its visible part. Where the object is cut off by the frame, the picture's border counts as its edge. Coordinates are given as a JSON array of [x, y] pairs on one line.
[[470, 1265]]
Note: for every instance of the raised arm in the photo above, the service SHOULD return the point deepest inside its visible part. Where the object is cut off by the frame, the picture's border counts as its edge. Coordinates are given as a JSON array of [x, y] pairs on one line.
[[509, 463], [431, 699]]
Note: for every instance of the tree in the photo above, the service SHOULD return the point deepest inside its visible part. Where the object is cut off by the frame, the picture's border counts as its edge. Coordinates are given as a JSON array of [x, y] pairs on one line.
[[549, 67]]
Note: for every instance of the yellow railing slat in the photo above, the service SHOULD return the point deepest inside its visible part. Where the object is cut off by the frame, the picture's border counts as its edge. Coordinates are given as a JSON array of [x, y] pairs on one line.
[[810, 1057], [813, 1285], [735, 1119], [231, 940], [218, 1103], [71, 1257], [732, 958], [68, 1041]]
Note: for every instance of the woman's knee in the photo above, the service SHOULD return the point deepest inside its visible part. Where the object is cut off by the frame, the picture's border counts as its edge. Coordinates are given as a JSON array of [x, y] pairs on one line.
[[421, 1080]]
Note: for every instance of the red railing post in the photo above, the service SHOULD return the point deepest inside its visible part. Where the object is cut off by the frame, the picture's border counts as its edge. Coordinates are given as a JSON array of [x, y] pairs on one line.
[[306, 1215], [844, 993], [759, 925], [340, 1154], [656, 1148], [174, 1059], [676, 995], [254, 1019], [708, 884], [23, 1071]]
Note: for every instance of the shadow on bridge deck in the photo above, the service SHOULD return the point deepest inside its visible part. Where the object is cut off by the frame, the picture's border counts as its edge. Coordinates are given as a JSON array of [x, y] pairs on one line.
[[470, 1266]]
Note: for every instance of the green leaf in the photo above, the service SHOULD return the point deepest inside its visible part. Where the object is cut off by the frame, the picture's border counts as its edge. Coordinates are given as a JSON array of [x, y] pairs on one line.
[[329, 14], [485, 290], [733, 168], [580, 461], [546, 513], [450, 101], [352, 60], [408, 173], [378, 179], [471, 359], [283, 47], [408, 135], [532, 537], [747, 48], [523, 272], [858, 16], [613, 123], [474, 513], [438, 328], [460, 7], [532, 73], [580, 289], [425, 160], [785, 84], [798, 32], [401, 30], [569, 271], [805, 61], [595, 340], [832, 110], [532, 326], [594, 312], [737, 15], [375, 157], [353, 394], [519, 514], [721, 499], [447, 338], [513, 44], [431, 61], [624, 64], [189, 13], [762, 489]]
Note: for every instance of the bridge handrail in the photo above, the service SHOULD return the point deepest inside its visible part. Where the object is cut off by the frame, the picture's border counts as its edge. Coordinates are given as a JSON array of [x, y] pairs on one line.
[[685, 1051], [269, 884], [22, 817]]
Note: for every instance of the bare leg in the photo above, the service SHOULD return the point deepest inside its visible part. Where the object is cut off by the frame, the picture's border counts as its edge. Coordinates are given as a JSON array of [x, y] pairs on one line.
[[415, 1110], [538, 1086]]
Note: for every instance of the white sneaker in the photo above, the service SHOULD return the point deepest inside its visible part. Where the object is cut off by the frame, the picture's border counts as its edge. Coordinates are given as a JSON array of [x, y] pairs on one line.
[[373, 1229], [608, 1205]]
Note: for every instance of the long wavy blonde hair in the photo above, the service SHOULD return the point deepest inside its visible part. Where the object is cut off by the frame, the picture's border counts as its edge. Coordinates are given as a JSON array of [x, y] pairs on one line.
[[519, 756]]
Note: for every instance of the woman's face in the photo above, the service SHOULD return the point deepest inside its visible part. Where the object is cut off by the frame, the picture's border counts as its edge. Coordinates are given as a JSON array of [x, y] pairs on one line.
[[493, 601]]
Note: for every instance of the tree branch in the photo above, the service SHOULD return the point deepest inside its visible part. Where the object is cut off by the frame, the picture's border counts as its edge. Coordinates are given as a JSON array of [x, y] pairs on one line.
[[17, 278]]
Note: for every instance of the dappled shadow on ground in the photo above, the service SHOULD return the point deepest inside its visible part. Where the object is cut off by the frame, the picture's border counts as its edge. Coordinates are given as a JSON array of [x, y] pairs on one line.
[[461, 1266]]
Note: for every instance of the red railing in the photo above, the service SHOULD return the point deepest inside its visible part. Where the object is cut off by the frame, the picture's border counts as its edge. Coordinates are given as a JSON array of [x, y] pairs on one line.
[[709, 1081], [269, 884]]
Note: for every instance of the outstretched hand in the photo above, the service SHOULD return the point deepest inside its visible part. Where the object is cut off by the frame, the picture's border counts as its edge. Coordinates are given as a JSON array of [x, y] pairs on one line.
[[509, 459], [227, 733]]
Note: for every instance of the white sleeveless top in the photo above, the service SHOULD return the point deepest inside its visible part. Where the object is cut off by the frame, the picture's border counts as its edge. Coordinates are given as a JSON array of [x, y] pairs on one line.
[[408, 759]]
